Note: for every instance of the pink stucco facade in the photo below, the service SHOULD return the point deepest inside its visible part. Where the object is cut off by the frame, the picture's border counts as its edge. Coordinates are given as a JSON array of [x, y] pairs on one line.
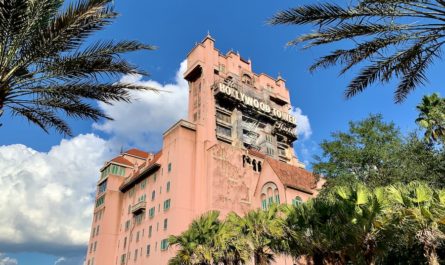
[[233, 153]]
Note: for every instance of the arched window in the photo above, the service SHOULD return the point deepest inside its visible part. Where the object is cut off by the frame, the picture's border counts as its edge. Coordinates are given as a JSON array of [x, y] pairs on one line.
[[259, 166], [269, 195], [254, 165], [246, 79]]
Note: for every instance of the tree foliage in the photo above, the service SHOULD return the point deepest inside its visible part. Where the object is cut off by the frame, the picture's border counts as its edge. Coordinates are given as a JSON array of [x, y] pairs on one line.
[[351, 224], [392, 39], [375, 153], [46, 68]]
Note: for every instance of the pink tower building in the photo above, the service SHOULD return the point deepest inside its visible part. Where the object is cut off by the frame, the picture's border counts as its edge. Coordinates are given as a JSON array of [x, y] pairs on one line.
[[233, 153]]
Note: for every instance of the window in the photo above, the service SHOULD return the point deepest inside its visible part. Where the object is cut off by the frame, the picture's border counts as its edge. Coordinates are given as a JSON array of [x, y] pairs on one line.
[[169, 167], [155, 175], [150, 229], [93, 233], [91, 247], [297, 201], [142, 198], [151, 212], [97, 230], [122, 259], [264, 204], [131, 192], [148, 250], [100, 201], [164, 244], [153, 195], [223, 131], [281, 151], [165, 223], [137, 236], [135, 254], [168, 186], [269, 138], [277, 198], [95, 246], [270, 151], [246, 79], [138, 218], [127, 225], [102, 187], [125, 242], [220, 116], [166, 204], [143, 184], [112, 169]]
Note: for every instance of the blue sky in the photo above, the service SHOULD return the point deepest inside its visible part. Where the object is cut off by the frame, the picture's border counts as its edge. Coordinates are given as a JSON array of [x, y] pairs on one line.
[[174, 26]]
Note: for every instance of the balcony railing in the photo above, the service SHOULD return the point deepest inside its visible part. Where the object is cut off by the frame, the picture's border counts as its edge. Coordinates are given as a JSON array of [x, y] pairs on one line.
[[139, 207]]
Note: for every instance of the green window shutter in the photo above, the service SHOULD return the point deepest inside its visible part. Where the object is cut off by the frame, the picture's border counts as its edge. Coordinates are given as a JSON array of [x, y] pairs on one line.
[[270, 200], [169, 167], [168, 186], [264, 204]]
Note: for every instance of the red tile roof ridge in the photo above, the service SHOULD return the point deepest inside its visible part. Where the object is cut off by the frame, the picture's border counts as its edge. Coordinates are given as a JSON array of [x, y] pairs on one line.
[[122, 161], [137, 152], [293, 176]]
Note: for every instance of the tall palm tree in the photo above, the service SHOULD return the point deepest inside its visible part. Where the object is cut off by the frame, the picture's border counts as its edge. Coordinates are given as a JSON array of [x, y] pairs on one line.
[[432, 117], [398, 39], [197, 244], [420, 211], [47, 70], [262, 229]]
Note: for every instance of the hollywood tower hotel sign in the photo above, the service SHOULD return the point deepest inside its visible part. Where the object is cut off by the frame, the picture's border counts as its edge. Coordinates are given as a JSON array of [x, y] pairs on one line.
[[234, 153]]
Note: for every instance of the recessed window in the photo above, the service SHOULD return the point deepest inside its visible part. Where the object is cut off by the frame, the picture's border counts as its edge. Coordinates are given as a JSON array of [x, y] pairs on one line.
[[166, 204], [164, 244], [169, 167], [224, 131], [150, 230], [153, 195], [102, 187], [165, 223], [246, 79], [148, 250], [168, 186], [151, 212], [100, 201], [143, 184]]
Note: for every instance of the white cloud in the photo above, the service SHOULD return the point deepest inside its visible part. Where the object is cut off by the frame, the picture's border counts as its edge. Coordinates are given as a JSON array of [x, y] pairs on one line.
[[143, 121], [70, 260], [303, 125], [46, 197], [7, 260]]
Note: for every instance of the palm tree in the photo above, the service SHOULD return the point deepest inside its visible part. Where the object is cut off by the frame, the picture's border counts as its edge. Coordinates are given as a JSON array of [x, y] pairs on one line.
[[263, 230], [419, 211], [47, 70], [432, 117], [398, 39], [230, 248], [197, 244]]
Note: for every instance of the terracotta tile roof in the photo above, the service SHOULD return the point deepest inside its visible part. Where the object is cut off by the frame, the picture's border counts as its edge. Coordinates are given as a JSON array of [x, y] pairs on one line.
[[122, 161], [137, 152], [293, 177], [136, 175], [256, 153]]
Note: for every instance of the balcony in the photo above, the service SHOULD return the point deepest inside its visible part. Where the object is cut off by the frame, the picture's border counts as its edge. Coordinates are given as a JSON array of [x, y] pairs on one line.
[[139, 207]]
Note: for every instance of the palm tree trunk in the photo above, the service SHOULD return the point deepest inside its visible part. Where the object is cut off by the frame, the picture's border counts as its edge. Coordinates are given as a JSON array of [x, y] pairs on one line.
[[431, 254]]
